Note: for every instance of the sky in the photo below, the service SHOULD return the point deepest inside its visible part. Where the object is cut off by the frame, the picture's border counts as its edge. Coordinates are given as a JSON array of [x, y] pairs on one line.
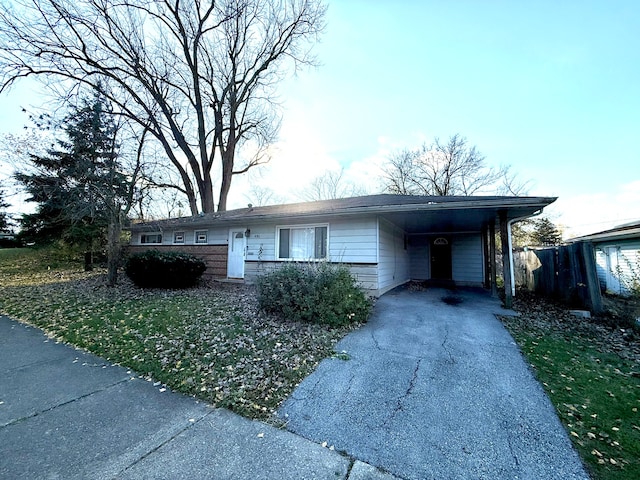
[[551, 88]]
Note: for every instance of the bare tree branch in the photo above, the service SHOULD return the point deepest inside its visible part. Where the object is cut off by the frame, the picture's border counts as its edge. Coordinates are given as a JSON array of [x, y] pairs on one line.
[[200, 76], [447, 168]]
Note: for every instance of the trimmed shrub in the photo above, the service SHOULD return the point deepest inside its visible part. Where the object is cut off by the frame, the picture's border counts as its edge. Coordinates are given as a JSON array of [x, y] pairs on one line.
[[319, 293], [155, 269]]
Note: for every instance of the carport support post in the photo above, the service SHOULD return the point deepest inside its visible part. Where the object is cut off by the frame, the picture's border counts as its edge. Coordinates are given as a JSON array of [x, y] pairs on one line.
[[506, 259], [492, 259]]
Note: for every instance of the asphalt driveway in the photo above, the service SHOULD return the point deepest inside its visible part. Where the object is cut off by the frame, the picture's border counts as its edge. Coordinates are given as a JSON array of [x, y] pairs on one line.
[[429, 390]]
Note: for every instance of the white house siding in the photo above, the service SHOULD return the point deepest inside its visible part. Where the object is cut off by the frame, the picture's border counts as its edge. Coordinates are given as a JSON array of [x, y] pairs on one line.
[[466, 260], [351, 242], [601, 267], [215, 236], [420, 263], [618, 266], [261, 244], [393, 262]]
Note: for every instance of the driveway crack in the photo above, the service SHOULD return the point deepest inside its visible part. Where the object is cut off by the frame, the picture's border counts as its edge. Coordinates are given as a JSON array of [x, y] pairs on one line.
[[400, 403], [452, 360], [507, 429], [375, 341]]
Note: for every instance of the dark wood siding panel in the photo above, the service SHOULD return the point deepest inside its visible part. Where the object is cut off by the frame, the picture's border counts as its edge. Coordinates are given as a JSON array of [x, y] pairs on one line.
[[214, 256]]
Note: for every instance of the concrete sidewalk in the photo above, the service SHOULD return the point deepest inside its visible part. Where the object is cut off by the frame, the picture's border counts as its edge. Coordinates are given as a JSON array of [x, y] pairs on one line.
[[68, 414]]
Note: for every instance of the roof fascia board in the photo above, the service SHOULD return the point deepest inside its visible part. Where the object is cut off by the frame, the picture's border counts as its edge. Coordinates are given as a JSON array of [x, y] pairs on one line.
[[498, 204]]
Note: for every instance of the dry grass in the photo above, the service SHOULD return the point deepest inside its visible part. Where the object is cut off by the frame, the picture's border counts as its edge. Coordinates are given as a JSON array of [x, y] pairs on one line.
[[210, 342], [591, 372]]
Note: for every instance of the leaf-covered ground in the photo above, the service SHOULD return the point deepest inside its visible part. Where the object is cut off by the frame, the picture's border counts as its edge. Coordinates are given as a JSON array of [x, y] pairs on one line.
[[591, 373], [211, 342]]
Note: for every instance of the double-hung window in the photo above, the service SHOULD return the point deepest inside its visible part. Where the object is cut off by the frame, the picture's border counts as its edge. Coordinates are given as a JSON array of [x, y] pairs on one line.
[[178, 237], [304, 242]]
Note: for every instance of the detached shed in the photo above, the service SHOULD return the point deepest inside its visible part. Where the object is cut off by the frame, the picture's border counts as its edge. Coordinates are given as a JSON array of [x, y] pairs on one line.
[[617, 258]]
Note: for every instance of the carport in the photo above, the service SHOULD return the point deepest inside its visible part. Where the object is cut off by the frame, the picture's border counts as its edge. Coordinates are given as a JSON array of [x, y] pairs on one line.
[[436, 229]]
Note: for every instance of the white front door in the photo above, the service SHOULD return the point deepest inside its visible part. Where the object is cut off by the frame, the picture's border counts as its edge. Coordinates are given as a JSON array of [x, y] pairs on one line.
[[237, 247]]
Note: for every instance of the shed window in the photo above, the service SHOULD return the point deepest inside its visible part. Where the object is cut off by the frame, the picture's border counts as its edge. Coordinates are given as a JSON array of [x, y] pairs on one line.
[[201, 236], [178, 237], [302, 243], [153, 238]]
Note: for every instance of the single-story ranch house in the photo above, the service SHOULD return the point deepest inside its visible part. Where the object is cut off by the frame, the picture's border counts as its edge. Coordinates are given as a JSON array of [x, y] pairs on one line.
[[386, 240]]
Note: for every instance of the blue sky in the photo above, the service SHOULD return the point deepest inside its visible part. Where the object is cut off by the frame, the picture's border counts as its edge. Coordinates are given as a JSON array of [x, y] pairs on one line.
[[551, 88]]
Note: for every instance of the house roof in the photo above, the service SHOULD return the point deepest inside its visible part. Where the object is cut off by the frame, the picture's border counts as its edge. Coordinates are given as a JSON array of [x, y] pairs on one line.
[[628, 231], [408, 211]]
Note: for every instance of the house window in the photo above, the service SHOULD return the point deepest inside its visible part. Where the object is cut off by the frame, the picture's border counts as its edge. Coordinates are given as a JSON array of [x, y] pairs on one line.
[[201, 236], [308, 242], [151, 238], [178, 237]]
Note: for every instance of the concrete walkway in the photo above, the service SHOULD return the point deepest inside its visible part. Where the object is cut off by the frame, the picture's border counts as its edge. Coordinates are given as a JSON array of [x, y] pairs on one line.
[[435, 391], [65, 414]]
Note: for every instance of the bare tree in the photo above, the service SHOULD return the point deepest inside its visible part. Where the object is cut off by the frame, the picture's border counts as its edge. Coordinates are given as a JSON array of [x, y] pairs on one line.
[[200, 75], [331, 185], [260, 196], [444, 168]]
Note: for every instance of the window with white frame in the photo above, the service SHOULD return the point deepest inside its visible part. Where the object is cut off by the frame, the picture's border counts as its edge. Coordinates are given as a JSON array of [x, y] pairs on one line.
[[201, 236], [178, 237], [151, 238], [304, 242]]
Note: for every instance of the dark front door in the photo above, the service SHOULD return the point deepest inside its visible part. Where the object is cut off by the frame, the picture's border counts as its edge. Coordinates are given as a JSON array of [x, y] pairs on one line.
[[441, 259]]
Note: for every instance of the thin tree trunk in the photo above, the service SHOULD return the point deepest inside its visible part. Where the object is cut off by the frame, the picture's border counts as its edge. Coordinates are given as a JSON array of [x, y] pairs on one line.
[[88, 261], [113, 252]]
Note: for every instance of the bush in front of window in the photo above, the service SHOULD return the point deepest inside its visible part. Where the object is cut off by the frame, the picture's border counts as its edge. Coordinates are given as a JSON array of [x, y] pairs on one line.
[[317, 292], [155, 269]]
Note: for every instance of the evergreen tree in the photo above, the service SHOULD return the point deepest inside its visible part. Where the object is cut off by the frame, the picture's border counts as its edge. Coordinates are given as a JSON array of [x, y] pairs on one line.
[[545, 233], [79, 185]]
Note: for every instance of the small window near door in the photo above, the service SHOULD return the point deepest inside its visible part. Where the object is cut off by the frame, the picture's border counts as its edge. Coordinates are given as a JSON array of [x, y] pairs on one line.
[[201, 236], [178, 237]]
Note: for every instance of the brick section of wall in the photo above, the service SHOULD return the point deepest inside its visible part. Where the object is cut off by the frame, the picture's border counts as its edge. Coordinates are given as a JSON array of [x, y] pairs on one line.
[[214, 256]]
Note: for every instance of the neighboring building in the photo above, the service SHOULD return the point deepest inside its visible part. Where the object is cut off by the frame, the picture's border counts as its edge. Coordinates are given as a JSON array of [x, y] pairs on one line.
[[386, 240], [617, 257]]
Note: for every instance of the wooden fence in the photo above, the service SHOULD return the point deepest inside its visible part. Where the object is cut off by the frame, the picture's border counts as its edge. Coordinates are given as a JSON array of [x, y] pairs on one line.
[[566, 273]]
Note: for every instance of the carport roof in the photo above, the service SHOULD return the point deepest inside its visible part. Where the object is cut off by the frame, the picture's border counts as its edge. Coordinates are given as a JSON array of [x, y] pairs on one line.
[[415, 214]]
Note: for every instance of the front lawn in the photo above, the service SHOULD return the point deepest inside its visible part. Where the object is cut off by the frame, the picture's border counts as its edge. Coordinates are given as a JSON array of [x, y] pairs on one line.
[[591, 373], [212, 343]]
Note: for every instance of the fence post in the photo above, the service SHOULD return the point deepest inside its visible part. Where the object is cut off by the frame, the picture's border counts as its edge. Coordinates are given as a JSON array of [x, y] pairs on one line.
[[591, 272]]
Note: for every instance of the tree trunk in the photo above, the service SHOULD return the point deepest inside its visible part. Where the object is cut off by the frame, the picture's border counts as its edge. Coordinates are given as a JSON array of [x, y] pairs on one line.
[[88, 261], [113, 252], [206, 195], [227, 175]]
